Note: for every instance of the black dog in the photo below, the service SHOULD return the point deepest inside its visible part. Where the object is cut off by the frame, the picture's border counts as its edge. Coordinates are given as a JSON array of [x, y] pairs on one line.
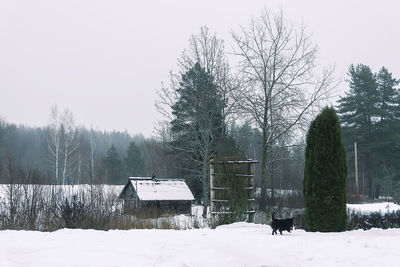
[[281, 224]]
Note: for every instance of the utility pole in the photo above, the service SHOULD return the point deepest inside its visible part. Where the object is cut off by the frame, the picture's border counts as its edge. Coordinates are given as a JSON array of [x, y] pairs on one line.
[[356, 168]]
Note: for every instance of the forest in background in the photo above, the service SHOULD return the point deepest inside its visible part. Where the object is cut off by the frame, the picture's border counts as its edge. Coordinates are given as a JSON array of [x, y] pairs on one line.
[[26, 157]]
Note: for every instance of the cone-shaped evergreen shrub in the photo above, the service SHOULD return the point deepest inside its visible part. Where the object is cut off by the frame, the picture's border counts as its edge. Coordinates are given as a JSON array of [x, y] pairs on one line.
[[324, 184]]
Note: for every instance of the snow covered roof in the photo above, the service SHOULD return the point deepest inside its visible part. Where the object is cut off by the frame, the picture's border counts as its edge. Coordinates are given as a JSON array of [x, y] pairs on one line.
[[161, 189]]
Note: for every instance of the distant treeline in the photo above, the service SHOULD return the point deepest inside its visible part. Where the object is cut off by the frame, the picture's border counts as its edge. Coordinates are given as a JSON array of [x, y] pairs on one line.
[[27, 157]]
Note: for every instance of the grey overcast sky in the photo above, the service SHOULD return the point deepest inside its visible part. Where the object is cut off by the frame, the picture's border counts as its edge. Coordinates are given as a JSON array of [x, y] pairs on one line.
[[104, 59]]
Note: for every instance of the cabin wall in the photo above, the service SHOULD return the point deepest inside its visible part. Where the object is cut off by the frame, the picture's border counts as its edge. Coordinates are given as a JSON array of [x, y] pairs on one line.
[[161, 207], [175, 207], [131, 200]]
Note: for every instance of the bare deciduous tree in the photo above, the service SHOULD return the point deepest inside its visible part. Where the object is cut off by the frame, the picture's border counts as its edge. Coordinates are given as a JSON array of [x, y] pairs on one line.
[[62, 142], [54, 141], [92, 160], [70, 143], [279, 81], [32, 204]]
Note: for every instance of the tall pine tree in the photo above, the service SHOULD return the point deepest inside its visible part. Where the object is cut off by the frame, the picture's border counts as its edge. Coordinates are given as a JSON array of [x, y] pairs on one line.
[[324, 184], [370, 115], [387, 129], [358, 111], [388, 97]]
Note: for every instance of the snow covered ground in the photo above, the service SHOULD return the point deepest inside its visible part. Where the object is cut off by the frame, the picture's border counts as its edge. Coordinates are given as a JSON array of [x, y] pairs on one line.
[[382, 208], [239, 244], [66, 191]]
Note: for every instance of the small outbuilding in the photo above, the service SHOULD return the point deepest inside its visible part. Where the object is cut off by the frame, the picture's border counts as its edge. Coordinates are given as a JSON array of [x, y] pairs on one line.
[[165, 196]]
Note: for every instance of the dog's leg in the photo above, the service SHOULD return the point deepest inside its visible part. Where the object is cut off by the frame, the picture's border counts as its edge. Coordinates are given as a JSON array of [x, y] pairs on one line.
[[280, 230]]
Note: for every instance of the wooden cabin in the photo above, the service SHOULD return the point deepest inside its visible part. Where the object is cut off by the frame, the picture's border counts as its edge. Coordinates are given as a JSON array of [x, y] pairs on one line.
[[165, 196]]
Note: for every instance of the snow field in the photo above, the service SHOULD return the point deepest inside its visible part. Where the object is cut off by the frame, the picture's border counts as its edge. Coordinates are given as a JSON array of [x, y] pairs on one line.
[[367, 208], [238, 244]]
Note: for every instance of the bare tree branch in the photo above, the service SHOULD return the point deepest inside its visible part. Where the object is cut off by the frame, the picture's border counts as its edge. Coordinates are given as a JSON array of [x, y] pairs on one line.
[[279, 84]]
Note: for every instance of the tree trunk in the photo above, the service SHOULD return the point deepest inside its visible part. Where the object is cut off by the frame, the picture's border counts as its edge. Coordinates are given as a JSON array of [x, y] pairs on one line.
[[272, 155], [206, 180], [56, 166], [263, 198], [65, 164], [271, 177], [79, 168]]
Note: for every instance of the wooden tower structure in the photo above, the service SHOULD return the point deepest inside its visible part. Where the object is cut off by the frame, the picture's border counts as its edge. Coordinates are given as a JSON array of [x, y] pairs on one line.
[[232, 187]]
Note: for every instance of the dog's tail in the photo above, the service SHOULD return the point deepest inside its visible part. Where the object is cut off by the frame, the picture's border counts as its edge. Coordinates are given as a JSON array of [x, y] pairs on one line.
[[273, 215]]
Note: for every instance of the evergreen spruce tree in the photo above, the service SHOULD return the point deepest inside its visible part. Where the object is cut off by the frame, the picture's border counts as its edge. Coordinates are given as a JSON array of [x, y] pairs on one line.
[[113, 166], [199, 107], [197, 126], [324, 184], [134, 161]]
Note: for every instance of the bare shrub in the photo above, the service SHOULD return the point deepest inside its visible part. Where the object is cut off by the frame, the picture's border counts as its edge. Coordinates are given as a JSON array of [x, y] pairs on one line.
[[72, 212], [52, 207], [32, 205]]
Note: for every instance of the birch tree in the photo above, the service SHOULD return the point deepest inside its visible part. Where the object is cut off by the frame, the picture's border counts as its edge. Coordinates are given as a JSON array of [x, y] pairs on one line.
[[54, 141], [2, 131], [93, 151], [70, 143], [280, 84], [62, 143]]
